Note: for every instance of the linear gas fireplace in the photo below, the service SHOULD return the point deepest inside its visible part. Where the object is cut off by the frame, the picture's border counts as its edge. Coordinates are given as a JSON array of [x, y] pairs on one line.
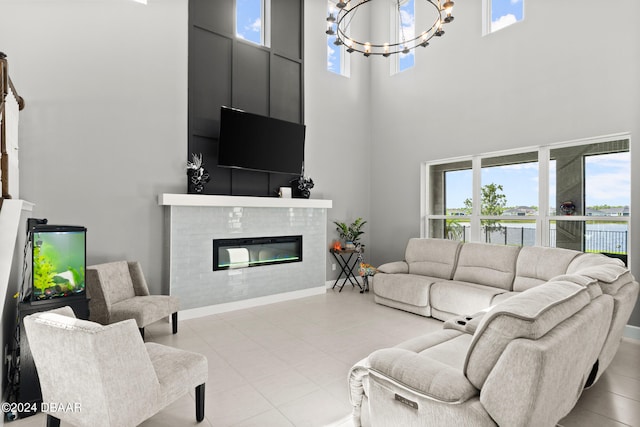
[[256, 251]]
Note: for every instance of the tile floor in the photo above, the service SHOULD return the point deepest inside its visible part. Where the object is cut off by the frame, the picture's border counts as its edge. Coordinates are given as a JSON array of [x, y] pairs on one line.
[[286, 364]]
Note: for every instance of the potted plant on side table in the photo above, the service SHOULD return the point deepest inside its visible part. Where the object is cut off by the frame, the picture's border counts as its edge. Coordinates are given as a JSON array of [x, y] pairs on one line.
[[350, 233]]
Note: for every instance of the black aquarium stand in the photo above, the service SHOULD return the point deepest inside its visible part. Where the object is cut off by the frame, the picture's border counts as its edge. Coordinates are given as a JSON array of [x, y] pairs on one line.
[[29, 391]]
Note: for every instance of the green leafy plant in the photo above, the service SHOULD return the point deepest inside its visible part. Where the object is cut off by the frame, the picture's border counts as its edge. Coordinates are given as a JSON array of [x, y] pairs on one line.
[[351, 232], [43, 271], [454, 230], [493, 203], [78, 277]]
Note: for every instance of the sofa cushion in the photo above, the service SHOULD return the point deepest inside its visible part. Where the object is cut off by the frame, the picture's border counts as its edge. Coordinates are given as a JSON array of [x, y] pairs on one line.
[[487, 264], [394, 267], [591, 260], [497, 299], [406, 288], [457, 297], [430, 363], [432, 257], [537, 265], [116, 275], [530, 314]]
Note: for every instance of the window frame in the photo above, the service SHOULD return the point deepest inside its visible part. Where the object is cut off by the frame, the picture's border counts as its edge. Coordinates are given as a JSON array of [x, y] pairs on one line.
[[265, 24], [345, 58], [487, 11], [395, 36], [544, 218]]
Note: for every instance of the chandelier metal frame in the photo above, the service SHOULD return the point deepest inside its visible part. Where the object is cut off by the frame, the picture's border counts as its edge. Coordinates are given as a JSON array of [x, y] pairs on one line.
[[347, 10]]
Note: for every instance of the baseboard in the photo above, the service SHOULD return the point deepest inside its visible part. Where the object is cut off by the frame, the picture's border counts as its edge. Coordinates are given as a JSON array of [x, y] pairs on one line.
[[193, 313], [329, 283], [632, 332]]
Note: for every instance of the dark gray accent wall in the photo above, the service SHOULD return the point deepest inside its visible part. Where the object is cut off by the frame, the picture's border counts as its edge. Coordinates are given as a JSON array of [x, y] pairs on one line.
[[224, 70]]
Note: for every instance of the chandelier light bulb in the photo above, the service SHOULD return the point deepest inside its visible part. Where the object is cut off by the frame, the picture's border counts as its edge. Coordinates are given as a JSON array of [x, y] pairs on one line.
[[424, 37], [448, 9], [386, 50], [330, 31], [349, 44], [367, 49]]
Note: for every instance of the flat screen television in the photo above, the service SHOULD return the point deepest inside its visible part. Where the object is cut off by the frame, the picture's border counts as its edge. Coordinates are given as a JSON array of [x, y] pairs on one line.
[[58, 260], [255, 142]]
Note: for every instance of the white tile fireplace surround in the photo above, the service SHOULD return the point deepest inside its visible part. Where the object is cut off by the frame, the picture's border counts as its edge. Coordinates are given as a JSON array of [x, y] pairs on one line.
[[193, 221]]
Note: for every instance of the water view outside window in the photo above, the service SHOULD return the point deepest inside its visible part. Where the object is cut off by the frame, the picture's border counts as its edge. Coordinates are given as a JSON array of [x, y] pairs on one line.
[[591, 180], [588, 208], [504, 13], [249, 20]]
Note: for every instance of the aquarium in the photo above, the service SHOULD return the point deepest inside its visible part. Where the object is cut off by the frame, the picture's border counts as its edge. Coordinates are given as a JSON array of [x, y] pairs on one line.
[[58, 261]]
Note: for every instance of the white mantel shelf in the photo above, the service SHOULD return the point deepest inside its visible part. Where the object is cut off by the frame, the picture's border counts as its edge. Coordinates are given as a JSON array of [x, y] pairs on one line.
[[167, 199]]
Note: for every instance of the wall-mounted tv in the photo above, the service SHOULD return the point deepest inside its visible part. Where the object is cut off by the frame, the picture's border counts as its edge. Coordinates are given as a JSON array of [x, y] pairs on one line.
[[58, 261], [252, 141]]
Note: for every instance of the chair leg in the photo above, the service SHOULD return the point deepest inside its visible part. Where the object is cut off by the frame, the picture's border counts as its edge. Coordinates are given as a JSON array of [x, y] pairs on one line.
[[141, 332], [52, 421], [174, 322], [200, 402]]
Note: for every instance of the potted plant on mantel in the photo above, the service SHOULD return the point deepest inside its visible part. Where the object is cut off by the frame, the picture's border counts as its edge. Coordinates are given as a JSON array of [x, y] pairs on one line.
[[350, 233]]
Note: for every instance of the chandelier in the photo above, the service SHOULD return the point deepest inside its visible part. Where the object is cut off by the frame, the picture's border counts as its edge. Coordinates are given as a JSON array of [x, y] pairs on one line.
[[339, 24]]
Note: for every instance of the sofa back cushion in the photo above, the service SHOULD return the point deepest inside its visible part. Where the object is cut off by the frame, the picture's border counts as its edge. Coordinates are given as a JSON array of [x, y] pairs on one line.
[[537, 382], [537, 265], [487, 264], [115, 280], [529, 315], [432, 257]]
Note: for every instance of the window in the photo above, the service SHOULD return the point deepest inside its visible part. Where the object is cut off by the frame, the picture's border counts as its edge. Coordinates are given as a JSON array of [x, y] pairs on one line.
[[573, 196], [452, 185], [501, 13], [405, 28], [589, 192], [252, 17], [509, 198], [337, 59]]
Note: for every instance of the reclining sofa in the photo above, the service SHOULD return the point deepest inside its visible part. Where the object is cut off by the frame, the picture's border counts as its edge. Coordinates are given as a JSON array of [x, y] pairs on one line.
[[544, 324]]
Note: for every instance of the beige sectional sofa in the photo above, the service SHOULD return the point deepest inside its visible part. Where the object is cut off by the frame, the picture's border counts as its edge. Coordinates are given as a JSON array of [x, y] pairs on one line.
[[544, 325]]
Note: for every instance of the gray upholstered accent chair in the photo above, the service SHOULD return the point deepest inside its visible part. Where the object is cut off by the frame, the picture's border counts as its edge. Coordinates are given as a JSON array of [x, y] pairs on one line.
[[106, 376], [119, 291]]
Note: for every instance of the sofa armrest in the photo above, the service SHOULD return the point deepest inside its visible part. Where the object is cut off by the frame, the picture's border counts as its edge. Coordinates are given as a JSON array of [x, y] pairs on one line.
[[394, 267], [466, 323], [422, 374]]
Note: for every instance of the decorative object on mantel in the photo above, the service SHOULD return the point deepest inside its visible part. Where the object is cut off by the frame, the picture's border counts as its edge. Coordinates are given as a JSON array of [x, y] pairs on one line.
[[568, 208], [350, 233], [347, 10], [198, 175], [303, 185]]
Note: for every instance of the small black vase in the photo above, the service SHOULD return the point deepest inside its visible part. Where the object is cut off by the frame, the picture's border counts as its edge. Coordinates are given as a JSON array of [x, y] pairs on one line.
[[197, 179]]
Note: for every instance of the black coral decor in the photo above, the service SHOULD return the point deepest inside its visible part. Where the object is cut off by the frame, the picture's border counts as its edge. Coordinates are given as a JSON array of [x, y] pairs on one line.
[[198, 175], [304, 186]]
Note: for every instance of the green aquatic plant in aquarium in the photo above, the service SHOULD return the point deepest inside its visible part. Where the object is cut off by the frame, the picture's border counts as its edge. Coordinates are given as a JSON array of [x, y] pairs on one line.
[[58, 261], [43, 271]]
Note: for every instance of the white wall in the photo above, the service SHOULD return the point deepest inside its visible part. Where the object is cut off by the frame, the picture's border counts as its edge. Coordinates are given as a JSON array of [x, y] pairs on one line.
[[337, 115], [104, 130], [568, 71]]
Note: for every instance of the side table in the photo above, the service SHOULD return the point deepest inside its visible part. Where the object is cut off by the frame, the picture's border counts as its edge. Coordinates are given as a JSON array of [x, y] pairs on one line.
[[343, 257]]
